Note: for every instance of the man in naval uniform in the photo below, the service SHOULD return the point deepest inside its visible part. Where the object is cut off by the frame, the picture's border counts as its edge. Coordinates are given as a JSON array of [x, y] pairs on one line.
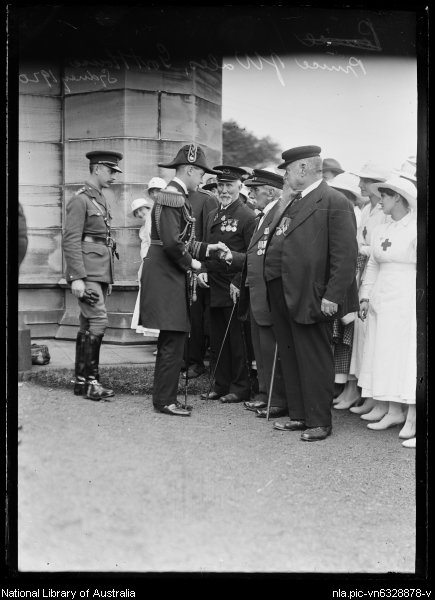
[[265, 189], [168, 274], [231, 224], [202, 202], [89, 249]]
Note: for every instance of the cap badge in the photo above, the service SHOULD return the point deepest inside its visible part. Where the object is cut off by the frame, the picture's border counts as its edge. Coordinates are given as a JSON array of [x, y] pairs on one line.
[[192, 153]]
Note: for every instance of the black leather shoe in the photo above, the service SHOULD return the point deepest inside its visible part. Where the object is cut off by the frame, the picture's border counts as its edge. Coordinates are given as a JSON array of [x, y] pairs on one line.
[[274, 411], [211, 396], [194, 372], [172, 409], [181, 405], [231, 399], [290, 425], [255, 405], [314, 434]]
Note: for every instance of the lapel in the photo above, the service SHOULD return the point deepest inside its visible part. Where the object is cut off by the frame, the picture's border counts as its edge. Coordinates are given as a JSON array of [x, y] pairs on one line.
[[258, 233], [228, 213], [307, 208]]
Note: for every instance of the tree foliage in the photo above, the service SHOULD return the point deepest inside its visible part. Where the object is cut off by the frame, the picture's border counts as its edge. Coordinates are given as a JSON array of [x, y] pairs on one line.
[[243, 148]]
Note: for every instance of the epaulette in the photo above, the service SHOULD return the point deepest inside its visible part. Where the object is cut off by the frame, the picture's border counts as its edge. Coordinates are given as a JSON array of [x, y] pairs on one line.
[[80, 191], [167, 197]]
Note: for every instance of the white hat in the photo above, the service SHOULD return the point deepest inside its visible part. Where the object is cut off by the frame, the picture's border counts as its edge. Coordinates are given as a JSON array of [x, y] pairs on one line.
[[244, 191], [138, 202], [157, 183], [408, 169], [346, 181], [400, 185], [372, 170]]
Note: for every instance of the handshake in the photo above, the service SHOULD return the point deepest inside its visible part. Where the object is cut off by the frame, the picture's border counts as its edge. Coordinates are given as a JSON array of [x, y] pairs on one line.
[[223, 252]]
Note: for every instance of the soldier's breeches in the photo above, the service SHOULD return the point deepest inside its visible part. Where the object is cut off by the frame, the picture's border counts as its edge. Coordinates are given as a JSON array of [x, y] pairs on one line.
[[94, 318]]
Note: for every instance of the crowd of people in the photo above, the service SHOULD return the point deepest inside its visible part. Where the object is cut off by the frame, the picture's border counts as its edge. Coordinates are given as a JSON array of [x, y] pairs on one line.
[[300, 286]]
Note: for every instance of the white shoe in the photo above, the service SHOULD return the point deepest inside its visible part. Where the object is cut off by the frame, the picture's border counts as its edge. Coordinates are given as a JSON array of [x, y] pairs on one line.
[[409, 443]]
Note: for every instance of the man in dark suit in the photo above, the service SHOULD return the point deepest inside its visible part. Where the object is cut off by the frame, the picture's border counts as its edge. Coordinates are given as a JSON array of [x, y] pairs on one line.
[[265, 189], [309, 269], [202, 202], [89, 248], [232, 224], [168, 272]]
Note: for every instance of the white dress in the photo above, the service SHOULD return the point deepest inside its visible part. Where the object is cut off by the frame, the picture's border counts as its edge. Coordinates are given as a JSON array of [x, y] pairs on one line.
[[370, 218], [389, 364], [144, 234]]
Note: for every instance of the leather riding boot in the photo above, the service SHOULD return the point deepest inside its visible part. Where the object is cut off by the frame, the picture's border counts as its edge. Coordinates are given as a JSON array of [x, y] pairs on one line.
[[94, 389], [80, 364]]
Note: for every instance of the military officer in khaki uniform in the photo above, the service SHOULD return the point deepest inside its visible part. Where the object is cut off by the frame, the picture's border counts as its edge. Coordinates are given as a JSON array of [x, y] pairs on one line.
[[89, 249]]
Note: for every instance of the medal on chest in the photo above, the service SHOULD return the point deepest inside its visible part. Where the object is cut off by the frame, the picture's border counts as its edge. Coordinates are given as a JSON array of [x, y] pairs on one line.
[[229, 224], [261, 247], [284, 224]]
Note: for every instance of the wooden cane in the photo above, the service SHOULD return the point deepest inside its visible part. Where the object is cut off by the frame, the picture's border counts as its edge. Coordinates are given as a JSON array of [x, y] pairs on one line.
[[272, 377]]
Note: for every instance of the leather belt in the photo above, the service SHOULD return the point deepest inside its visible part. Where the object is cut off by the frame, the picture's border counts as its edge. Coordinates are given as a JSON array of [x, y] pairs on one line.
[[94, 239]]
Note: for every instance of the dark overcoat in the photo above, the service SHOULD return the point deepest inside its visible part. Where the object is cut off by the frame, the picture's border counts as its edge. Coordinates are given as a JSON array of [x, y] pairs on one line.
[[163, 300], [85, 214], [253, 292], [319, 255], [202, 203], [234, 226]]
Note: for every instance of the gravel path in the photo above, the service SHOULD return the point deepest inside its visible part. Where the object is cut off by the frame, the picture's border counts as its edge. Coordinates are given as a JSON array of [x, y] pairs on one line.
[[116, 487]]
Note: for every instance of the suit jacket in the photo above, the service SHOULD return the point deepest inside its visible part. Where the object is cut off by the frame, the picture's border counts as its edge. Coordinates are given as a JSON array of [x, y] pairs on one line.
[[234, 227], [319, 254], [253, 291], [87, 260]]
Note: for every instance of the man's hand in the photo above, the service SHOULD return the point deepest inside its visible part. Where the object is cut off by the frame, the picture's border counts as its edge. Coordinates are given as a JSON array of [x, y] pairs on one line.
[[78, 288], [90, 297], [203, 280], [196, 265], [234, 292], [328, 308]]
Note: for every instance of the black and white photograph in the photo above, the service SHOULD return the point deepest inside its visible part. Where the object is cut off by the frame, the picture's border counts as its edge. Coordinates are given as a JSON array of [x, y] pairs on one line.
[[216, 298]]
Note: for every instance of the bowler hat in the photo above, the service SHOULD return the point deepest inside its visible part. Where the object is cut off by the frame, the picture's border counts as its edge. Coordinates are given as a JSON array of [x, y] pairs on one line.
[[139, 202], [105, 157], [400, 185], [190, 154], [298, 153], [330, 164], [157, 183], [264, 177], [230, 173]]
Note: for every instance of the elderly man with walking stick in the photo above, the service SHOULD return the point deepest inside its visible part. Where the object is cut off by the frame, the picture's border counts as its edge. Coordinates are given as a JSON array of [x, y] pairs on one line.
[[231, 224]]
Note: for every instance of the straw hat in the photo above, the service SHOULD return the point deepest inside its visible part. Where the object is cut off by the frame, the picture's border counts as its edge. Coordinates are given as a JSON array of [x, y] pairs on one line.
[[372, 170], [400, 185], [347, 181], [408, 169], [157, 183], [139, 202]]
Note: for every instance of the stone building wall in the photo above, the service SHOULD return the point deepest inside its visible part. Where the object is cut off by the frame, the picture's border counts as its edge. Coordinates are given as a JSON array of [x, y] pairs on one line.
[[68, 109]]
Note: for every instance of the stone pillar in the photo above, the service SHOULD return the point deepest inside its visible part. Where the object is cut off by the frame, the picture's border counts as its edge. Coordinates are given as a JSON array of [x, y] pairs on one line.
[[41, 300], [146, 113]]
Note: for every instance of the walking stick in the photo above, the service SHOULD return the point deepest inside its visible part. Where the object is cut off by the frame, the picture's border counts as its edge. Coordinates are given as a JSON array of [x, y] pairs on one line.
[[220, 352], [272, 378]]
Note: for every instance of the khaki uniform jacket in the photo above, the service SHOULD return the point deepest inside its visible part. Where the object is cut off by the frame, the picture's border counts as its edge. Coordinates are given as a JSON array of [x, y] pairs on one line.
[[87, 260]]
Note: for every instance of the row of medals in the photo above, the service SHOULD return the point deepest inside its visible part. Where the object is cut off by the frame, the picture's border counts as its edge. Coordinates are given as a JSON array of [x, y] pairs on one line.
[[229, 225]]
